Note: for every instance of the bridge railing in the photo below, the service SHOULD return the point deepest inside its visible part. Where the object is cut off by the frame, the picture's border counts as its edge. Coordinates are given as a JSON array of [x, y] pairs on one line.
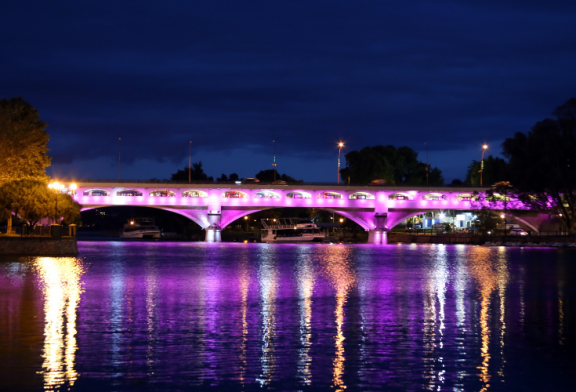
[[242, 182], [478, 233]]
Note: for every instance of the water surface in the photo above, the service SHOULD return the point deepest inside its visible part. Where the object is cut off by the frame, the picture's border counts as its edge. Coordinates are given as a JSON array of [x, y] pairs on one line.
[[196, 316]]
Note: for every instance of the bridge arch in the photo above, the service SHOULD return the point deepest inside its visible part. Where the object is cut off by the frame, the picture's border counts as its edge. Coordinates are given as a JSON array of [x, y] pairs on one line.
[[128, 192], [267, 195], [400, 196], [361, 195], [329, 195], [162, 193], [234, 195], [467, 196], [363, 219], [434, 196], [194, 193], [298, 195], [96, 192], [196, 218], [521, 221]]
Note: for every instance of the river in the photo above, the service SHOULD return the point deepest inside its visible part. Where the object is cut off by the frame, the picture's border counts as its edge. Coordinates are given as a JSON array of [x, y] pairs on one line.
[[156, 316]]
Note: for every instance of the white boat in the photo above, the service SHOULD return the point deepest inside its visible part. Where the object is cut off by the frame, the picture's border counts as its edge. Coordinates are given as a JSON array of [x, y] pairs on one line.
[[291, 230], [140, 228]]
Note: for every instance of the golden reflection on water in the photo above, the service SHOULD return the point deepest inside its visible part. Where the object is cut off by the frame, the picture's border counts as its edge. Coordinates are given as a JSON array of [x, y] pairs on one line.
[[503, 277], [335, 262], [489, 275], [305, 277], [61, 286], [268, 279]]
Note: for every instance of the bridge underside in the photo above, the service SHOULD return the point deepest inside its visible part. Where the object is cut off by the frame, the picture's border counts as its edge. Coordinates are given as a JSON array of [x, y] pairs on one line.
[[376, 224]]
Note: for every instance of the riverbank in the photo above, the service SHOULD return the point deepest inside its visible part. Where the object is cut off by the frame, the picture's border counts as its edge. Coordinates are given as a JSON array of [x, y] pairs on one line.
[[38, 246], [531, 240]]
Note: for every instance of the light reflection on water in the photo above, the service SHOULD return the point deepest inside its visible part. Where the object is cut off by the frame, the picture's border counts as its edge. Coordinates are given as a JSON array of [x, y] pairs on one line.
[[296, 317], [268, 280], [61, 286], [305, 276], [337, 265]]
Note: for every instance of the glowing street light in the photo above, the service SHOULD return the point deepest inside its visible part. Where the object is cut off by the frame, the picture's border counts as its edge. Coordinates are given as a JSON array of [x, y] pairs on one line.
[[340, 145], [484, 148], [57, 188]]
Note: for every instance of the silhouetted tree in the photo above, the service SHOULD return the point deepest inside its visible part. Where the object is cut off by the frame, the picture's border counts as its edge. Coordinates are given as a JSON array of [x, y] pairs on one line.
[[224, 177], [197, 174], [542, 164], [268, 176], [395, 165], [495, 170]]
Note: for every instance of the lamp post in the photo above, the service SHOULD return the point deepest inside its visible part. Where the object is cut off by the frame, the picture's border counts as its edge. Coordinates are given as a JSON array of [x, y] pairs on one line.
[[484, 148], [57, 188], [340, 145], [274, 162], [119, 151], [190, 163]]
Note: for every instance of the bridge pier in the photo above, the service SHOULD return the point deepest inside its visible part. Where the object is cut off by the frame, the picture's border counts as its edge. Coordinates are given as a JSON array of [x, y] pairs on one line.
[[213, 231], [378, 236], [213, 234]]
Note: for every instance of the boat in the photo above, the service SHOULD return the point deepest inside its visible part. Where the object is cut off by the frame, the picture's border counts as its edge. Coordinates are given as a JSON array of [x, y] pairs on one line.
[[291, 230], [140, 228]]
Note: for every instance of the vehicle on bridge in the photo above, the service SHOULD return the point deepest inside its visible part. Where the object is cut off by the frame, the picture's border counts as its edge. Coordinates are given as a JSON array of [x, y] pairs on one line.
[[291, 230], [140, 228]]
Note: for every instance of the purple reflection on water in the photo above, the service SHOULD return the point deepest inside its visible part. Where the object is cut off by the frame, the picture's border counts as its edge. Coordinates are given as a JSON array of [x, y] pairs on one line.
[[173, 316]]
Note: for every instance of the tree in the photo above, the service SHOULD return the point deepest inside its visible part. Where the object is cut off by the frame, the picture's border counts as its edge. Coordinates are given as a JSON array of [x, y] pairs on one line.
[[395, 165], [23, 142], [268, 176], [196, 174], [495, 170], [224, 177], [542, 164], [32, 201]]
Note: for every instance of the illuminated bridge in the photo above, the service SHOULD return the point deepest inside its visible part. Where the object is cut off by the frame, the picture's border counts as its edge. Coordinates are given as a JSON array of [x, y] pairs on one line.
[[213, 206]]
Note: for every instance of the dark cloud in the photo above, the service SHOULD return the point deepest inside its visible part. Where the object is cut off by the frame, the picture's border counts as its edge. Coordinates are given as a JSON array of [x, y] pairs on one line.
[[234, 75]]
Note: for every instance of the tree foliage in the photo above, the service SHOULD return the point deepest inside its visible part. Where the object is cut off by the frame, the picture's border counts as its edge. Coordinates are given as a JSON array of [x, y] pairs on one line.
[[23, 142], [196, 174], [395, 165], [231, 177], [495, 170], [268, 176], [32, 201], [542, 164]]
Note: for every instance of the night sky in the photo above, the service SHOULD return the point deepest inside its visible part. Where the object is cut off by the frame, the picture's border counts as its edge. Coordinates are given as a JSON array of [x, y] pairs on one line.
[[231, 76]]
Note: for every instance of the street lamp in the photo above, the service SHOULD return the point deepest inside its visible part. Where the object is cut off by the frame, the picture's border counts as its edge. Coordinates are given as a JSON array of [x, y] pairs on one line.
[[57, 188], [340, 145], [484, 148]]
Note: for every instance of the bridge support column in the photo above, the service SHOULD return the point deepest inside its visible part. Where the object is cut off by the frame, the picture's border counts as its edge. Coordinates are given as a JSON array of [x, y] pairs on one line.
[[213, 232], [378, 236]]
